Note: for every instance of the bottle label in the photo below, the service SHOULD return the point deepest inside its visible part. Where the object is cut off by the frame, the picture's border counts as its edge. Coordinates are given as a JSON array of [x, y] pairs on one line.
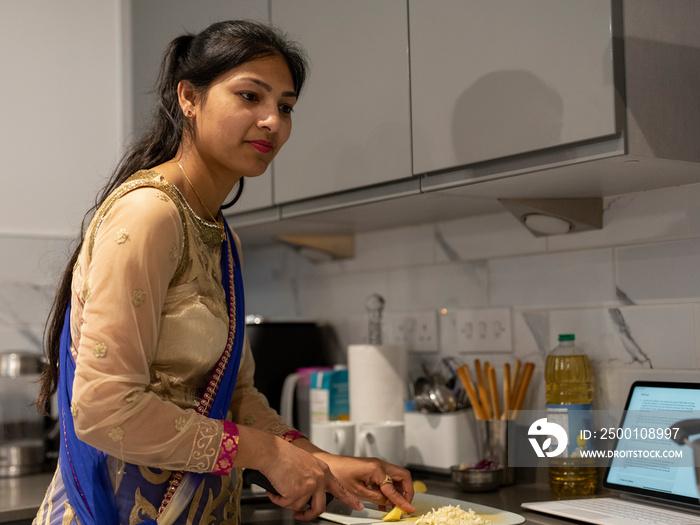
[[573, 418]]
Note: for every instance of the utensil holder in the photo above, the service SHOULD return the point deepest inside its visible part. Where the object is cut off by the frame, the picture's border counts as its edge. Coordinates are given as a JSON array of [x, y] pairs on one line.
[[492, 440], [455, 433]]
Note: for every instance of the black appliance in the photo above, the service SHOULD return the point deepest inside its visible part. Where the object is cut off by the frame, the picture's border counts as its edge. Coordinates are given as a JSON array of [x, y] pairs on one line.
[[280, 348]]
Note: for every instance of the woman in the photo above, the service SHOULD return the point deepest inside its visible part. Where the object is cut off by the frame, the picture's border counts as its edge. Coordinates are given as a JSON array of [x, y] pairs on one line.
[[146, 341]]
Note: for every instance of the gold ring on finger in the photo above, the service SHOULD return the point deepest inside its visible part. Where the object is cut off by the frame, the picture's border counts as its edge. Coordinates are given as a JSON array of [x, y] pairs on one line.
[[387, 479]]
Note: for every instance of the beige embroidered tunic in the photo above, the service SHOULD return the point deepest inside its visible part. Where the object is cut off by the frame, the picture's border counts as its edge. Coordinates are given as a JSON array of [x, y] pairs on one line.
[[149, 322]]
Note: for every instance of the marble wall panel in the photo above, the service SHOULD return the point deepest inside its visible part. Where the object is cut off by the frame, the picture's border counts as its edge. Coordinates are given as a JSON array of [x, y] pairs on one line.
[[22, 259], [393, 248], [643, 338], [553, 279], [25, 338], [54, 260], [451, 286], [660, 272], [332, 296], [484, 237]]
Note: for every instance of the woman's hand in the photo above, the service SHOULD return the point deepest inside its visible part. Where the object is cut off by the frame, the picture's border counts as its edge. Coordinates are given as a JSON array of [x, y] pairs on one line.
[[373, 480], [301, 479], [298, 476]]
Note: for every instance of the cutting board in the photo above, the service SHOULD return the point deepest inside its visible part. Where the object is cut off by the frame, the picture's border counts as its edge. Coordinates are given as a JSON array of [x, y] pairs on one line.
[[423, 503]]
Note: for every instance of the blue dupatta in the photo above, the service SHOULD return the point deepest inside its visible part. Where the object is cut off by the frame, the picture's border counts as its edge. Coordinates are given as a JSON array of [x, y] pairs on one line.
[[83, 467]]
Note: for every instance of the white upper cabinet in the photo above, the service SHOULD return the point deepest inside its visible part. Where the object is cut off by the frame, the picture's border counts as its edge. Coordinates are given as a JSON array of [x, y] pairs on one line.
[[495, 78], [351, 126], [61, 127], [479, 99]]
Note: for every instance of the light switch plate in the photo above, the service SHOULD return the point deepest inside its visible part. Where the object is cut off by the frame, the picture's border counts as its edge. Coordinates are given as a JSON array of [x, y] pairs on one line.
[[483, 330], [417, 330]]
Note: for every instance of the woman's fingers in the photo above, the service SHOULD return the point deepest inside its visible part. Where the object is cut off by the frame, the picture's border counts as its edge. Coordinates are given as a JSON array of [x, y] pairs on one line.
[[300, 479], [287, 503], [316, 507], [339, 491], [308, 510], [395, 498], [372, 495], [398, 492]]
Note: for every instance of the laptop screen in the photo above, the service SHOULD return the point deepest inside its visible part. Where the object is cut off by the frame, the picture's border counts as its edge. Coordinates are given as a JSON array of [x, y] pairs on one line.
[[647, 461]]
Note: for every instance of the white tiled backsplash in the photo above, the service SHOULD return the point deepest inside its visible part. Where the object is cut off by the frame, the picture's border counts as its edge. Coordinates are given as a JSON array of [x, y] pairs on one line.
[[29, 271], [630, 292]]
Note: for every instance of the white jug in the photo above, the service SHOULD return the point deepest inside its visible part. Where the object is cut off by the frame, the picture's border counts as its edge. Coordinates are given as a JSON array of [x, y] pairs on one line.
[[295, 395]]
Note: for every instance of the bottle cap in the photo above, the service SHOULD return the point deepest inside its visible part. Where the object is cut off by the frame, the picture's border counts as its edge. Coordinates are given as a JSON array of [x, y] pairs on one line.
[[567, 337]]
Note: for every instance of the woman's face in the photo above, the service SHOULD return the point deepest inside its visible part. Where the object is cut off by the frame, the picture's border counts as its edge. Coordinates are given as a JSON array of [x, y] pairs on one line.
[[245, 117]]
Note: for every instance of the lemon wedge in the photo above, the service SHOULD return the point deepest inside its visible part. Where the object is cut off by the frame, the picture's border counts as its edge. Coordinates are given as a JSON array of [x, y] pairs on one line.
[[419, 487], [393, 515]]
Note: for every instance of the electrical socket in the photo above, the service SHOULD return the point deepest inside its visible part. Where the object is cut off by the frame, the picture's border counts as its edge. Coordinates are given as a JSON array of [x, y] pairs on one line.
[[417, 330], [484, 330]]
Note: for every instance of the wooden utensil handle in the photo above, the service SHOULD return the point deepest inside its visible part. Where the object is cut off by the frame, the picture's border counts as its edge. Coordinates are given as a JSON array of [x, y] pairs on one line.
[[506, 390], [522, 390], [465, 377], [481, 388], [493, 386]]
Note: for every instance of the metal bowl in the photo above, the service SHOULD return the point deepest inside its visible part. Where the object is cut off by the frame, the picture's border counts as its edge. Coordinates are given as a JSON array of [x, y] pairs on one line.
[[477, 480]]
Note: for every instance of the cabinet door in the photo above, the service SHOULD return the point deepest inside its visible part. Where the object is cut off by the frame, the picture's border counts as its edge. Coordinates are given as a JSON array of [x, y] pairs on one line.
[[493, 78], [351, 126], [153, 25]]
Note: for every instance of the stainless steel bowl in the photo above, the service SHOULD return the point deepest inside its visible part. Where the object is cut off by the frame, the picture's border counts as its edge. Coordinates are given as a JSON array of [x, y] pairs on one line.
[[21, 426], [477, 480]]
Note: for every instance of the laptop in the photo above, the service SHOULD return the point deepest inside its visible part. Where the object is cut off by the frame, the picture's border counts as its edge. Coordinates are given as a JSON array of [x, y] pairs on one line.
[[659, 491]]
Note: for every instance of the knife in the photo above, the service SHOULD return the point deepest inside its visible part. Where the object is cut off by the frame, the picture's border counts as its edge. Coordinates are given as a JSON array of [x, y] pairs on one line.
[[255, 477]]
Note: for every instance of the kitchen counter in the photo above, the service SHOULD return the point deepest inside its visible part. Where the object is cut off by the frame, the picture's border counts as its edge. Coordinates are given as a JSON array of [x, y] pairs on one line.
[[20, 498], [506, 498]]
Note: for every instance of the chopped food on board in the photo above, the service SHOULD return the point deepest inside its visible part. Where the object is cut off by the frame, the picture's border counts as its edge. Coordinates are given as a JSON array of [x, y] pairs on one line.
[[449, 515], [393, 515]]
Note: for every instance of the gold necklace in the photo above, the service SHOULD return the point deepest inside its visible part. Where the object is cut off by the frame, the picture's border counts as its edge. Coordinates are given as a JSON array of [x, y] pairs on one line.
[[196, 192]]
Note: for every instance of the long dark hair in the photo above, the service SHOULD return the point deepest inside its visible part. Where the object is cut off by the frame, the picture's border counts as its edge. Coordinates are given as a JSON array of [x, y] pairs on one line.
[[200, 59]]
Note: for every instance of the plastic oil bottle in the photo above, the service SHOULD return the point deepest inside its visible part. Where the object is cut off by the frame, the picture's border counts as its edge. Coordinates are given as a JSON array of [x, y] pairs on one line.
[[569, 393]]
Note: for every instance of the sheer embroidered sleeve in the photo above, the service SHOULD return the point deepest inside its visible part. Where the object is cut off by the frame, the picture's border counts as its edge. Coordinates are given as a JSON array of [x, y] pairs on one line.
[[118, 297]]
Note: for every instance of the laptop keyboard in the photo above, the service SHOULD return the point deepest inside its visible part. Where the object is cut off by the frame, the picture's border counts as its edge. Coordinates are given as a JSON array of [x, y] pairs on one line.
[[631, 511]]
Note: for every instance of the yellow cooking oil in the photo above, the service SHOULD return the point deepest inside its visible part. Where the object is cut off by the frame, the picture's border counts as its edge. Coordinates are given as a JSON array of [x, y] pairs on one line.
[[569, 394]]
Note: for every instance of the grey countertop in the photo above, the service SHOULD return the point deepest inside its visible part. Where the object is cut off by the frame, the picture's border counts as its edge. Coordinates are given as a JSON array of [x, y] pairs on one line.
[[506, 498], [20, 499]]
